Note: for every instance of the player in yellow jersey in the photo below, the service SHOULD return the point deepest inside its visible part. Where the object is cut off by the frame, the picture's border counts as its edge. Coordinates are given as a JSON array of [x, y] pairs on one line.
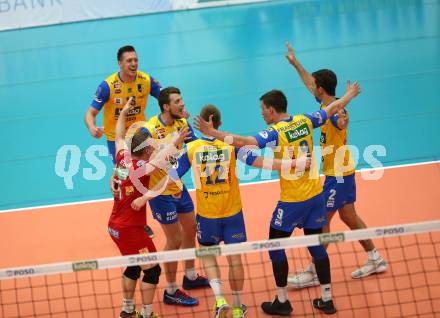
[[302, 202], [339, 171], [114, 92], [219, 210], [173, 208]]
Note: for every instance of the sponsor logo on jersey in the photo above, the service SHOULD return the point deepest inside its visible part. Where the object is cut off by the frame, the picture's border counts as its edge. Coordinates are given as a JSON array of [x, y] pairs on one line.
[[263, 134], [140, 88], [98, 95], [129, 90], [220, 155], [323, 138], [113, 232], [318, 115], [298, 133], [132, 112], [129, 190]]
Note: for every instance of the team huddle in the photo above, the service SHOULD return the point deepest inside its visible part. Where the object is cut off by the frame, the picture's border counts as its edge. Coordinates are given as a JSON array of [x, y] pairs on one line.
[[152, 156]]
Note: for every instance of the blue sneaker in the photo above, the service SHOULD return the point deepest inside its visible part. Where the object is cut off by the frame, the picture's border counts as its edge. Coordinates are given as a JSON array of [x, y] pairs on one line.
[[179, 298], [199, 282]]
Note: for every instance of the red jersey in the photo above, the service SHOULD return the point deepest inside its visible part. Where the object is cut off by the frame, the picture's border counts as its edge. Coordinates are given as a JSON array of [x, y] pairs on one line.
[[122, 213]]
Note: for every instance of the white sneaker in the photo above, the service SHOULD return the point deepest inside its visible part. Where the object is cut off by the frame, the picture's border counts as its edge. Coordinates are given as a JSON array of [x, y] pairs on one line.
[[371, 267], [306, 278]]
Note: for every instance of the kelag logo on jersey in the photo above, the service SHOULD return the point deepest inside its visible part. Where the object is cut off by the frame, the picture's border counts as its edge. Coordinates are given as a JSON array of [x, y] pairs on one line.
[[212, 156], [298, 133], [132, 112]]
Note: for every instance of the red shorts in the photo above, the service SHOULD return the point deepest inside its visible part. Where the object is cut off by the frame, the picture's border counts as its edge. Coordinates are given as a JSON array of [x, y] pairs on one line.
[[131, 239]]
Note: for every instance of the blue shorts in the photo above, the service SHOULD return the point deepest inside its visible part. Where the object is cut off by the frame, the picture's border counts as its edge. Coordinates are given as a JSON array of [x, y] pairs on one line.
[[309, 214], [336, 194], [166, 207], [112, 150], [229, 230]]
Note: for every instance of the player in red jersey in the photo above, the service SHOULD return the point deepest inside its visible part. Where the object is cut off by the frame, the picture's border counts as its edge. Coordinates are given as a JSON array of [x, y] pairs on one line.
[[126, 224]]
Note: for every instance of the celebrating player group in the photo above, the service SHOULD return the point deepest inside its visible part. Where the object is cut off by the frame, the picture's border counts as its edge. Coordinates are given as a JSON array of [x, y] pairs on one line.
[[151, 156]]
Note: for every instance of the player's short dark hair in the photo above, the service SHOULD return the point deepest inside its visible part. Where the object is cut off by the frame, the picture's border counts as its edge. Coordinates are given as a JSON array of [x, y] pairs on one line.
[[275, 99], [327, 80], [164, 95], [138, 138], [209, 110], [122, 50]]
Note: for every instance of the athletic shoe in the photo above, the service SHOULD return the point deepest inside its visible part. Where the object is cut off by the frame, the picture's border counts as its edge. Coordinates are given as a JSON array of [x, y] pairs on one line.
[[325, 306], [179, 298], [371, 267], [239, 312], [149, 231], [221, 308], [199, 282], [277, 308], [306, 278], [125, 314]]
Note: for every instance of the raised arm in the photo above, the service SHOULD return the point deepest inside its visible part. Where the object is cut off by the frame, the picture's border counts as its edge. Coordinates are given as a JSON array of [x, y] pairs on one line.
[[120, 125], [306, 77], [247, 155], [352, 90], [207, 128]]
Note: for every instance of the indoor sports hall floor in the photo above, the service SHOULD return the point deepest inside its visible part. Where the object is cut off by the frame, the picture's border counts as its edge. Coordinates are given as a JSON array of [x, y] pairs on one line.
[[229, 57]]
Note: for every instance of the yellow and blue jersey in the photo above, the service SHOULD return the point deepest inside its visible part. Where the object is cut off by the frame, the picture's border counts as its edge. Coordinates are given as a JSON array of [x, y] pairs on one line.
[[290, 139], [113, 93], [338, 160], [214, 166], [162, 133]]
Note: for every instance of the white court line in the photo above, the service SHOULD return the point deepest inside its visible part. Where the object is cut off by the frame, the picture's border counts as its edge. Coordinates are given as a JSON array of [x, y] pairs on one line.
[[242, 184]]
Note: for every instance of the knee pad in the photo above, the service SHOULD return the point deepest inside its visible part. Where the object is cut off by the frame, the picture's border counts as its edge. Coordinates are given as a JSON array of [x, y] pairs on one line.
[[151, 275], [133, 272]]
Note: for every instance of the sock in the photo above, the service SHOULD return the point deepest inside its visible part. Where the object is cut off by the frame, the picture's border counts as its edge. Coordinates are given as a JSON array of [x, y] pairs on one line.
[[282, 294], [236, 301], [146, 310], [326, 292], [373, 255], [171, 288], [128, 305], [216, 285], [191, 273]]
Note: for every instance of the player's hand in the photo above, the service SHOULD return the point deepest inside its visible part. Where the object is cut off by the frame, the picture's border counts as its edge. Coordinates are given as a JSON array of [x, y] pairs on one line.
[[138, 203], [115, 186], [290, 56], [352, 90], [129, 105], [205, 127], [303, 163], [96, 132], [182, 136], [185, 114]]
